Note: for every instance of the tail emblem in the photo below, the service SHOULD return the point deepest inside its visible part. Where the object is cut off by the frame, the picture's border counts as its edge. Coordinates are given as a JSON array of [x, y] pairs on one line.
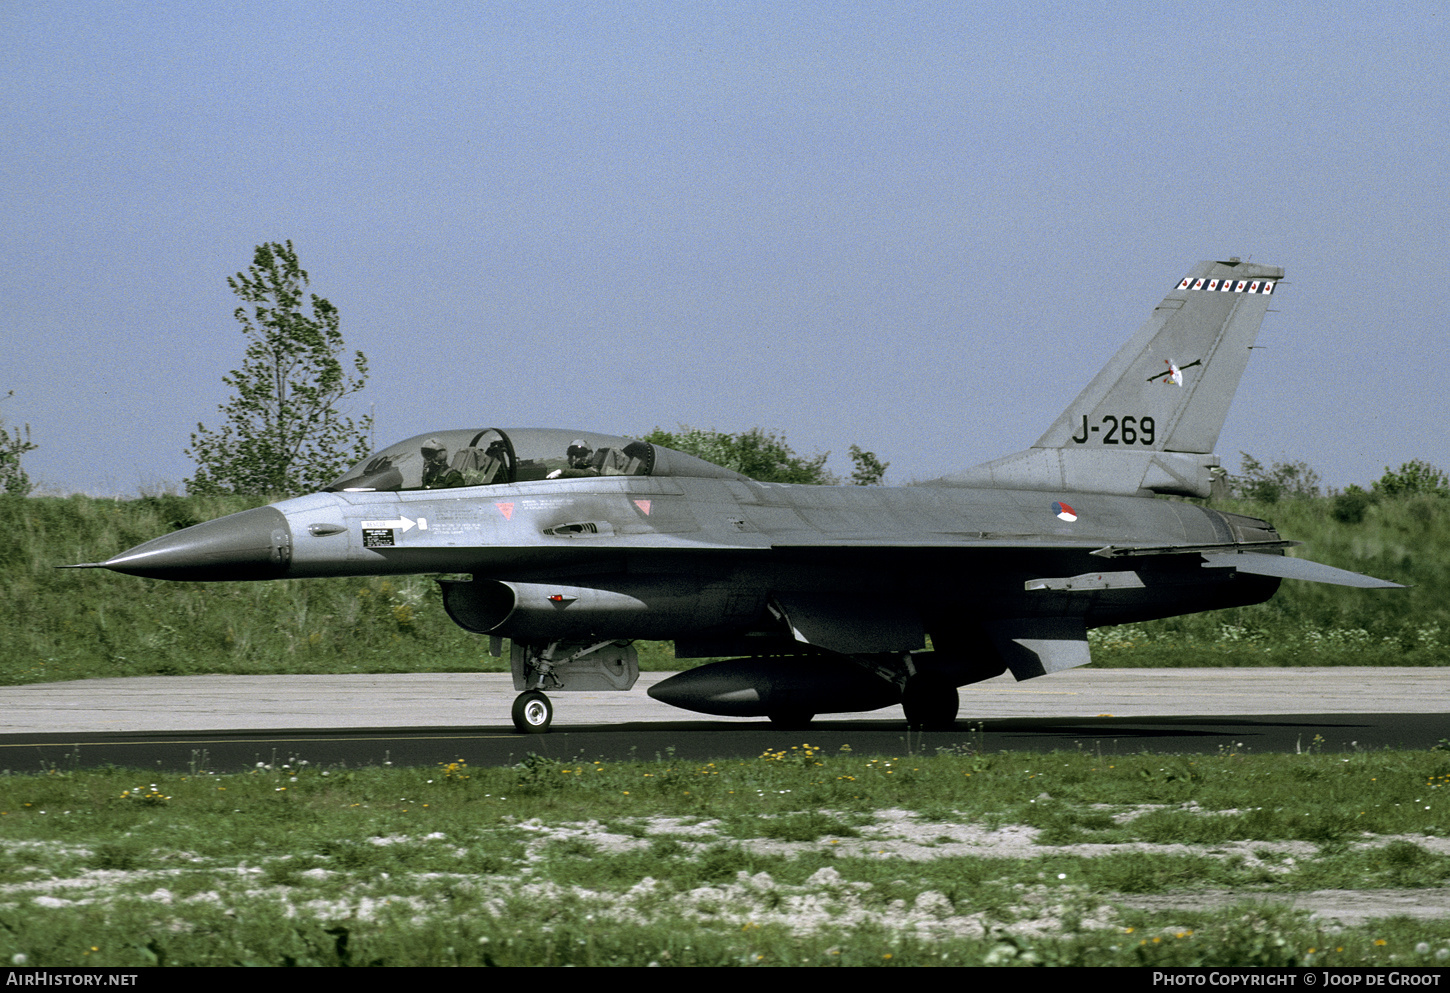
[[1174, 374]]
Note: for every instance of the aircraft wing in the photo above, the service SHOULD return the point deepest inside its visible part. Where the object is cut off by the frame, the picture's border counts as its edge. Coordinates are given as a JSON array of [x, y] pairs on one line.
[[963, 541], [1257, 560]]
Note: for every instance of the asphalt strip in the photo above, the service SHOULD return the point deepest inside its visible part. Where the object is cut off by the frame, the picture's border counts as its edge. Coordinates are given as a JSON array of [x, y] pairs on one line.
[[415, 700]]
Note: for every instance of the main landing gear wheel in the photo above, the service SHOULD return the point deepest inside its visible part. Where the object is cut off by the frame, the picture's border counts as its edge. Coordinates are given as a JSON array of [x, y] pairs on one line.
[[790, 720], [930, 704], [533, 713]]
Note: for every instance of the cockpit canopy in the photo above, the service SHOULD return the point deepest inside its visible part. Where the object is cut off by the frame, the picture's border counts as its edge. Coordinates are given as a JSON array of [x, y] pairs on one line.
[[495, 456]]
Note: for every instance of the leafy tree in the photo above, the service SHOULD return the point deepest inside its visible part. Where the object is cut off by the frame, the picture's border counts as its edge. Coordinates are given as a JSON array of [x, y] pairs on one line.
[[1414, 477], [761, 455], [283, 432], [13, 478], [1292, 480], [869, 470]]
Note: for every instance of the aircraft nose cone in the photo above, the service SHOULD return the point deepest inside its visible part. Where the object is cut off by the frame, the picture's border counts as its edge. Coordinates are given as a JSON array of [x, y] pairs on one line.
[[255, 544]]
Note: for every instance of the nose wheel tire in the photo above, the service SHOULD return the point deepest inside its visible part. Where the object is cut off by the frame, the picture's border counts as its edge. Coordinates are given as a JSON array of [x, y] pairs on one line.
[[533, 713]]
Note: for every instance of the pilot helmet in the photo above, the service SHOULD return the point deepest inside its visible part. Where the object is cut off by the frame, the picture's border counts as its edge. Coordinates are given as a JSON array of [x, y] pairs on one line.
[[433, 447], [580, 449]]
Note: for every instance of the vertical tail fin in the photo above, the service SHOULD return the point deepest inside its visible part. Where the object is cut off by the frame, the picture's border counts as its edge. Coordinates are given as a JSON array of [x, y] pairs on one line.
[[1148, 422], [1179, 371]]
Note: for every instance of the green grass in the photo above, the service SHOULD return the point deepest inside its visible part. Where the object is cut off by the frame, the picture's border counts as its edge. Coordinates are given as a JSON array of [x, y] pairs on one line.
[[796, 857], [75, 624]]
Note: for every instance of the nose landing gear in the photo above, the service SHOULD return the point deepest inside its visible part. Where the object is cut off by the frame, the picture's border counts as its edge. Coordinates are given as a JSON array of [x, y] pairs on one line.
[[559, 666]]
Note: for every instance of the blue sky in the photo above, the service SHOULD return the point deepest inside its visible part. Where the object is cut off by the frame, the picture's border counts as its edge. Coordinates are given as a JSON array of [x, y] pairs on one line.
[[919, 228]]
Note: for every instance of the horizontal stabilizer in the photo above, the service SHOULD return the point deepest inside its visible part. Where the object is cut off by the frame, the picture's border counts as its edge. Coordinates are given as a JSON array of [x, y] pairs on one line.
[[1287, 568], [1039, 646]]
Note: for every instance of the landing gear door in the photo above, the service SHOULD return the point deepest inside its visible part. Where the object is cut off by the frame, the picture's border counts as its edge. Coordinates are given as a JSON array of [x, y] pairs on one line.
[[565, 666]]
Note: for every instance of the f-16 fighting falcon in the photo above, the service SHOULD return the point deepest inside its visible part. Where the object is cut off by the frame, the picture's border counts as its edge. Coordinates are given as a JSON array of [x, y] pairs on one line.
[[821, 599]]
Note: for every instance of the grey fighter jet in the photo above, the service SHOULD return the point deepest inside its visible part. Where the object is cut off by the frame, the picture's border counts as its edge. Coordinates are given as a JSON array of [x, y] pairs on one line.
[[823, 597]]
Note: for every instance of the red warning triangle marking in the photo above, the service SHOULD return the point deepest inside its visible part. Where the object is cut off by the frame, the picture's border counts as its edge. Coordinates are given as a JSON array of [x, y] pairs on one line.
[[643, 505], [506, 509]]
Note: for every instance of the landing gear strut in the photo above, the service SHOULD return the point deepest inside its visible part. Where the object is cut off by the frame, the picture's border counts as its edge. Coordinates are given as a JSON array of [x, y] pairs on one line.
[[559, 666], [533, 713]]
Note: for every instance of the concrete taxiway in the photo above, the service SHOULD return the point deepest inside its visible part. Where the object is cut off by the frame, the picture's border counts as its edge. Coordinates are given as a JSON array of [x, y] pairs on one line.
[[452, 700], [234, 722]]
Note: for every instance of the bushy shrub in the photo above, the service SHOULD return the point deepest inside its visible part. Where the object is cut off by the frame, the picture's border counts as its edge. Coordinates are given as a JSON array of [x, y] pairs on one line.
[[1350, 506], [1412, 479], [1282, 480]]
